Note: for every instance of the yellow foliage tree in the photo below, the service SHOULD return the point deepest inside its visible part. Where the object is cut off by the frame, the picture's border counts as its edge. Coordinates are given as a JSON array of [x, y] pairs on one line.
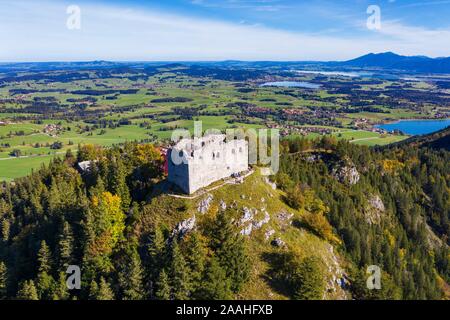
[[107, 224]]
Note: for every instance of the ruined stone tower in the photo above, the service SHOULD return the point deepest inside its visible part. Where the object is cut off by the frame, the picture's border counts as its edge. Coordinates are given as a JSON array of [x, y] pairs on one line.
[[196, 163]]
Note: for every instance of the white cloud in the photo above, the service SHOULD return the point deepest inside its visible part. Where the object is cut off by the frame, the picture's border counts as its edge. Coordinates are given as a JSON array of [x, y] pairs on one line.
[[38, 32]]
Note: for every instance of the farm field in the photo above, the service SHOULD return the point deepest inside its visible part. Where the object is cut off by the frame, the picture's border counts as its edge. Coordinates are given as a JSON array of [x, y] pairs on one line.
[[45, 114]]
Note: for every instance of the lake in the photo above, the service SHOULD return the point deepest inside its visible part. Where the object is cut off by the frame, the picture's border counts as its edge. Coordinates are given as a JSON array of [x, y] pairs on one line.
[[292, 84], [416, 127]]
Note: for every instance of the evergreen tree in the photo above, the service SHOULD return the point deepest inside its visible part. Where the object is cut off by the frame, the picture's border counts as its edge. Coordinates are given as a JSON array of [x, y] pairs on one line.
[[163, 287], [61, 291], [309, 281], [3, 281], [118, 183], [156, 254], [65, 246], [215, 285], [131, 278], [181, 282], [45, 282], [104, 291], [93, 290], [196, 254], [230, 250], [44, 258], [27, 291], [5, 228]]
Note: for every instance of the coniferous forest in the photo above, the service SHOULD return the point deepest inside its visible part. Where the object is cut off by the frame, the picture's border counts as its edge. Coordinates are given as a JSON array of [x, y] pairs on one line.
[[113, 222]]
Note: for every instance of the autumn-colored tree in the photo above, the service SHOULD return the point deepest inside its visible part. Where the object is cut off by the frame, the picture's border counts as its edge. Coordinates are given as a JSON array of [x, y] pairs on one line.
[[104, 226]]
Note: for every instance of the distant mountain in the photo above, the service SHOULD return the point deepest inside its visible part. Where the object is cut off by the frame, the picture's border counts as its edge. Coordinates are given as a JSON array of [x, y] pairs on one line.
[[390, 60]]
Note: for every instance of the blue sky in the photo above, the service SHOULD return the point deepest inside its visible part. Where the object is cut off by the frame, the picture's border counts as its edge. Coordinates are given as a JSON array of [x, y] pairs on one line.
[[32, 30]]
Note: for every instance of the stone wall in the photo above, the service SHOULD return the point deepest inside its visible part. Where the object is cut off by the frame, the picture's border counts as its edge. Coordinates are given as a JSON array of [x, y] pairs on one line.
[[201, 162]]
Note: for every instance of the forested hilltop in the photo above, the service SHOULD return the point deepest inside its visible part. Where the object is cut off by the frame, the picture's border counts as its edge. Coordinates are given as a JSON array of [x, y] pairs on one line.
[[336, 209]]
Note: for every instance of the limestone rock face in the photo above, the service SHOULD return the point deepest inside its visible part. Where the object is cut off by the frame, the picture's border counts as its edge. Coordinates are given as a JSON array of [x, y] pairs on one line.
[[247, 230], [248, 216], [374, 210], [184, 227], [285, 217], [204, 205], [258, 224], [346, 173], [268, 234], [223, 205]]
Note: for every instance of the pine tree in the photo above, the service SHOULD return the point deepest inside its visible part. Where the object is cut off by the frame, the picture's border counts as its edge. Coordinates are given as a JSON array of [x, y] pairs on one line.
[[104, 291], [181, 282], [45, 282], [156, 254], [230, 250], [196, 256], [5, 228], [27, 291], [118, 183], [65, 246], [61, 292], [3, 280], [44, 258], [308, 280], [131, 278], [215, 285], [163, 287], [93, 290]]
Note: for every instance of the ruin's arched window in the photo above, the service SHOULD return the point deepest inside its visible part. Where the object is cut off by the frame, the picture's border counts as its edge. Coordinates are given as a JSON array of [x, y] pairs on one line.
[[240, 149], [233, 151], [218, 155], [213, 156]]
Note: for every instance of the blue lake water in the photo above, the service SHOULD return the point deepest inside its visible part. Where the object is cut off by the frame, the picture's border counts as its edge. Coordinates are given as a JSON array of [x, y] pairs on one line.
[[292, 84], [416, 127]]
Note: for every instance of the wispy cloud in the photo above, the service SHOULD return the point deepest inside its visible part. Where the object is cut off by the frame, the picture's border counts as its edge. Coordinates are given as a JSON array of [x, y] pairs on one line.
[[33, 31]]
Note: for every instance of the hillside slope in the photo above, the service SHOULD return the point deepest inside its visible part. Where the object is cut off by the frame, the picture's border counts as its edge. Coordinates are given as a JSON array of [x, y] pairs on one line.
[[265, 220]]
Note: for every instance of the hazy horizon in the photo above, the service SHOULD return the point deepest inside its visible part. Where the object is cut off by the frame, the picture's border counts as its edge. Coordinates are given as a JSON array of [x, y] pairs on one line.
[[218, 30]]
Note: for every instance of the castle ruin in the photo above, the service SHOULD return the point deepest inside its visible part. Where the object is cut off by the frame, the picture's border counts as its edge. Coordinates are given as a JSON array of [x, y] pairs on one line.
[[196, 163]]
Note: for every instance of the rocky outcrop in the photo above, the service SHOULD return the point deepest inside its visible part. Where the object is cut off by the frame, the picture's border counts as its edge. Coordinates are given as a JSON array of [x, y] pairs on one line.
[[374, 210], [338, 283], [182, 228], [258, 224], [346, 173], [247, 230], [268, 234], [248, 215], [248, 219], [204, 205], [285, 218], [223, 205]]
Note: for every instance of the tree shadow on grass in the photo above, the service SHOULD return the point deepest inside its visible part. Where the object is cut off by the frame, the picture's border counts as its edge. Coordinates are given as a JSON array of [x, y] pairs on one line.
[[275, 276]]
